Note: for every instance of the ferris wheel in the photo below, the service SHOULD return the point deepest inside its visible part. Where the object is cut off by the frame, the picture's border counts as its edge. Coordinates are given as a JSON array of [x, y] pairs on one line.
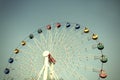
[[59, 51]]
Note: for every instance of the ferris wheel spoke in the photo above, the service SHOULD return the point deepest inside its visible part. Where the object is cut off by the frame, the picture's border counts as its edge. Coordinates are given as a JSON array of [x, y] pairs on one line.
[[73, 72], [43, 40], [67, 67], [84, 67], [57, 38], [30, 46], [37, 43]]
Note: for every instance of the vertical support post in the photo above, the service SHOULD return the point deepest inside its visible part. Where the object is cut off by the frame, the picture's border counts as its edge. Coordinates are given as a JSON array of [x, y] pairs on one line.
[[46, 68], [51, 71]]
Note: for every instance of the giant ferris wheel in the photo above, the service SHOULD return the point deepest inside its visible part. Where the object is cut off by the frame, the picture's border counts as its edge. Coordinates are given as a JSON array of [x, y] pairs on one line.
[[59, 51]]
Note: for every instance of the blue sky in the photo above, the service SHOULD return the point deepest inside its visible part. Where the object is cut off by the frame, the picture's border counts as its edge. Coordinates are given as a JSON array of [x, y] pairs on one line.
[[18, 18]]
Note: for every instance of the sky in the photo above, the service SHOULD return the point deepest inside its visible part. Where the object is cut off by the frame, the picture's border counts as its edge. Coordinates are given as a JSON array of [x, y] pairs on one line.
[[18, 18]]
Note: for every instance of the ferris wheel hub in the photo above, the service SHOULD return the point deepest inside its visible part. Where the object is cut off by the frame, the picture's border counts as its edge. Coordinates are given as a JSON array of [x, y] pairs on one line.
[[46, 53]]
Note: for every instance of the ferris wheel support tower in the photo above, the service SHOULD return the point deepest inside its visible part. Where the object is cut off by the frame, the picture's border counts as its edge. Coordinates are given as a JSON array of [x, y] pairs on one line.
[[48, 67]]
